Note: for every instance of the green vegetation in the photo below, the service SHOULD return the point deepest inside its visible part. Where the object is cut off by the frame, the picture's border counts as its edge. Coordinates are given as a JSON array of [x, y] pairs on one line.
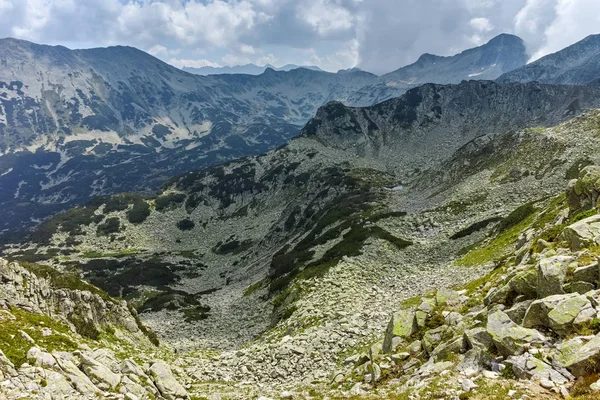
[[168, 201], [143, 328], [85, 328], [232, 246], [117, 254], [186, 224], [497, 247], [120, 202], [477, 226], [250, 290], [197, 313], [15, 346], [517, 216], [111, 225], [69, 221], [139, 212]]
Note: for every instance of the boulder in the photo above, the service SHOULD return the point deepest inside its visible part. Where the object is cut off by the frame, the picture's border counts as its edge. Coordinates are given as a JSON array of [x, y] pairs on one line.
[[444, 350], [583, 192], [511, 339], [570, 313], [589, 273], [581, 234], [40, 358], [477, 338], [518, 310], [434, 337], [498, 295], [447, 297], [528, 367], [161, 374], [579, 287], [579, 357], [475, 361], [525, 284], [99, 374], [403, 324], [537, 313], [551, 274]]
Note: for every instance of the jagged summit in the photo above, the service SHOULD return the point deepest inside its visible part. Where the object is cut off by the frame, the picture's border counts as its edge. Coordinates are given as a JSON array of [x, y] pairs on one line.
[[575, 65]]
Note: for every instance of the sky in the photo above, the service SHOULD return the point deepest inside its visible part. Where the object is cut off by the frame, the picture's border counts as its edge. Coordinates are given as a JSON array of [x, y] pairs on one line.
[[375, 35]]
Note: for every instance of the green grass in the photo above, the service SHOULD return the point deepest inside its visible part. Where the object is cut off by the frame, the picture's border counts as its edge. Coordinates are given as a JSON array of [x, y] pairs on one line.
[[497, 248], [116, 254], [253, 288], [15, 346]]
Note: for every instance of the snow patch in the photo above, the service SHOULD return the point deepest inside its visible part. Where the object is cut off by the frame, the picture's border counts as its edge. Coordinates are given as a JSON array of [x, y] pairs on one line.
[[7, 172]]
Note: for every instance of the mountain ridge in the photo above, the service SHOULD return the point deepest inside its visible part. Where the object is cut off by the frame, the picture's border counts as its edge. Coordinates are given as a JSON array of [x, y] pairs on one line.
[[501, 54], [578, 63]]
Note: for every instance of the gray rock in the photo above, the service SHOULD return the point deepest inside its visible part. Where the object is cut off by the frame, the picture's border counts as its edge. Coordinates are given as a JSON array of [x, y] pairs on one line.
[[474, 361], [589, 273], [510, 338], [444, 350], [551, 273], [577, 356], [579, 287], [100, 374], [537, 313], [584, 233], [518, 310], [528, 367], [570, 313], [403, 324], [477, 338], [161, 374]]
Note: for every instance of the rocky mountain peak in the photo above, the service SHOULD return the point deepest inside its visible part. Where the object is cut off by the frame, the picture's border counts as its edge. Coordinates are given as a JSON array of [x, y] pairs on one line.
[[576, 64], [501, 54]]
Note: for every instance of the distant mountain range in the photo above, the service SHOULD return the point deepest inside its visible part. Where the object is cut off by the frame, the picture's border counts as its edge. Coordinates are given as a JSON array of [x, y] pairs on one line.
[[247, 69], [80, 123]]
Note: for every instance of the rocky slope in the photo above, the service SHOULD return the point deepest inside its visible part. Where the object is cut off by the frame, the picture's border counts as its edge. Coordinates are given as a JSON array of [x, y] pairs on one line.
[[501, 54], [577, 64], [65, 339]]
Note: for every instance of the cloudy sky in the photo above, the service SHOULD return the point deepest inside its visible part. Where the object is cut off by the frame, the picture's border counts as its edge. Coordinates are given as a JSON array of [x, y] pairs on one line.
[[376, 35]]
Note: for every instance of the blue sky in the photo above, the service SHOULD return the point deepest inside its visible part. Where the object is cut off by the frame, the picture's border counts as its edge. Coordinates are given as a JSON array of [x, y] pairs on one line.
[[376, 35]]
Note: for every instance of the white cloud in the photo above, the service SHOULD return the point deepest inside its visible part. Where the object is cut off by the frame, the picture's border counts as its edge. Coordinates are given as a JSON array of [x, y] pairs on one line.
[[326, 17], [481, 24], [550, 25], [268, 59], [180, 63], [377, 35]]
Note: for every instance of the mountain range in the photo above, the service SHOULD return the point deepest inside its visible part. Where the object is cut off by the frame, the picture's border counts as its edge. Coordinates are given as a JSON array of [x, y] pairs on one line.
[[79, 123], [247, 69]]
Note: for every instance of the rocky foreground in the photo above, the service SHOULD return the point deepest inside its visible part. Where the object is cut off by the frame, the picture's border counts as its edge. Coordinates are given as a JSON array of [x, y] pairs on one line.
[[64, 339]]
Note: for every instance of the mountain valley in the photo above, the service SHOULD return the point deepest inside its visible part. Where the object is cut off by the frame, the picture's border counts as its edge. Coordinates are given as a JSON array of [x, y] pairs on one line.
[[370, 239]]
